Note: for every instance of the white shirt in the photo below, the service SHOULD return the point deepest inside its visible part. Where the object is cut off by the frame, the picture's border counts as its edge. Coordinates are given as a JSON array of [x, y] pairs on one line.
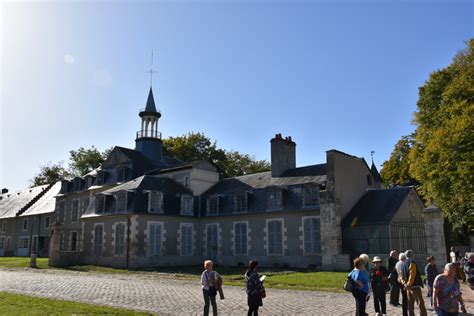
[[452, 254]]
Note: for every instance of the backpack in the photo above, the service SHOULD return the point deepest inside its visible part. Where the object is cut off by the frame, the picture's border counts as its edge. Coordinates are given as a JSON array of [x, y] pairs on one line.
[[349, 284]]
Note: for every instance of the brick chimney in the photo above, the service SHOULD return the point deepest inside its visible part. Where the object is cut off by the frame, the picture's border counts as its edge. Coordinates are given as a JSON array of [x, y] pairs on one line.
[[283, 154], [4, 190]]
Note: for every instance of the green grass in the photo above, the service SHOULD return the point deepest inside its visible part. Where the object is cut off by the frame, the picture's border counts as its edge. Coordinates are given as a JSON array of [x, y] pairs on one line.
[[14, 304], [297, 280]]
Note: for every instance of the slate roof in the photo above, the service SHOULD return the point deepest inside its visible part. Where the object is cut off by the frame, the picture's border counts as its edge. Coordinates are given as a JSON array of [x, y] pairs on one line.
[[136, 157], [375, 173], [197, 164], [150, 108], [301, 175], [377, 206], [147, 182], [46, 204]]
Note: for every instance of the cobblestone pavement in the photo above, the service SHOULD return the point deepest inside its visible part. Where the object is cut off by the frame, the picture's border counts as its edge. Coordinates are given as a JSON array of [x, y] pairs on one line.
[[166, 296]]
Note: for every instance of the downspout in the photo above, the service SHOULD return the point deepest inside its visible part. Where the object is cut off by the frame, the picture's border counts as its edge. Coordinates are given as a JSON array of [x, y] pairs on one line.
[[128, 240]]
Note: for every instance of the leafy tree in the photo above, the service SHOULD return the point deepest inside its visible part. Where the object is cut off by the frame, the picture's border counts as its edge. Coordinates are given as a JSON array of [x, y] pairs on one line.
[[83, 160], [50, 173], [196, 146], [396, 170]]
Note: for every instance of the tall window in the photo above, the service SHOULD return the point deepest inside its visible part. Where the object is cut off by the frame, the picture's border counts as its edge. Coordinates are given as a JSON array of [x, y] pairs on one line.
[[25, 224], [212, 205], [155, 202], [186, 205], [100, 178], [275, 199], [4, 226], [310, 195], [275, 237], [121, 201], [212, 240], [119, 239], [46, 222], [312, 235], [98, 239], [240, 202], [73, 241], [75, 211], [186, 243], [61, 211], [85, 205], [240, 238], [99, 203], [2, 242], [155, 231], [23, 242], [62, 242]]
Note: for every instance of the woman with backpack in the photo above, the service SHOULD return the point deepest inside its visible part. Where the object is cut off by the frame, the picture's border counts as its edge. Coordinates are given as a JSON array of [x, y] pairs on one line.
[[254, 288], [360, 289]]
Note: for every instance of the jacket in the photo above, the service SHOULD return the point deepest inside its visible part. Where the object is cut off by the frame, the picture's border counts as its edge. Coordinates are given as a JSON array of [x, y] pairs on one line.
[[411, 275]]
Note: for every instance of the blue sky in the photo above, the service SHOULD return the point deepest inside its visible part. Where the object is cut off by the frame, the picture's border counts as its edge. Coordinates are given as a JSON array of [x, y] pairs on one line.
[[332, 74]]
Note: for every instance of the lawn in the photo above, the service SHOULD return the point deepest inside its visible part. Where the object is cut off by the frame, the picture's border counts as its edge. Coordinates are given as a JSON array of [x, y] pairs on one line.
[[297, 280], [14, 304]]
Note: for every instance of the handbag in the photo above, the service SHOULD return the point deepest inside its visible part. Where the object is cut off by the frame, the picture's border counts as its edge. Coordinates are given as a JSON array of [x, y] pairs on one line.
[[349, 284], [263, 294]]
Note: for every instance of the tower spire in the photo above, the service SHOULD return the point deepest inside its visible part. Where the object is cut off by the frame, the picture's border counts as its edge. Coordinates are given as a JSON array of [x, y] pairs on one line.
[[151, 71]]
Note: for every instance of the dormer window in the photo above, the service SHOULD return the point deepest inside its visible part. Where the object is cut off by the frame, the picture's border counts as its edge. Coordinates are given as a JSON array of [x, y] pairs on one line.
[[212, 207], [88, 181], [121, 201], [241, 202], [275, 198], [77, 184], [122, 173], [187, 205], [100, 178], [64, 186], [155, 202], [310, 195], [99, 203]]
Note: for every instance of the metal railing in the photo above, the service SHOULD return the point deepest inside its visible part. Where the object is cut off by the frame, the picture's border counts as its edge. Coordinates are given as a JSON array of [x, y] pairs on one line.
[[149, 134]]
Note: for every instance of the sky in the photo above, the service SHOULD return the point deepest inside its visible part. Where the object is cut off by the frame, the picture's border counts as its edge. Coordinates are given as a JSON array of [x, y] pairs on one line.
[[331, 74]]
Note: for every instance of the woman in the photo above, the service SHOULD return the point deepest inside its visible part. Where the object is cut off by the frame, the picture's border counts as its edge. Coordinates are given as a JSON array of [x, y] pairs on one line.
[[379, 281], [361, 282], [431, 272], [446, 293], [209, 288], [254, 288]]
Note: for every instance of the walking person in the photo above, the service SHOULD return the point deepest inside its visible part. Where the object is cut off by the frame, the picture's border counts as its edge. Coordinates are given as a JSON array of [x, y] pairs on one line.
[[254, 288], [447, 294], [360, 276], [394, 286], [431, 272], [209, 280], [379, 281], [413, 284], [401, 281], [469, 270]]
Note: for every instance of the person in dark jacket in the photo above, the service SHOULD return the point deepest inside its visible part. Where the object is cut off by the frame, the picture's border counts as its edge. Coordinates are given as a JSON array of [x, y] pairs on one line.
[[469, 270], [413, 284], [431, 272], [394, 285], [254, 288], [379, 281]]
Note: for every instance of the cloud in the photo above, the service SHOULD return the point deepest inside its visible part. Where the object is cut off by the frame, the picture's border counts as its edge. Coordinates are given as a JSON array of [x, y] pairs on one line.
[[69, 59], [102, 78]]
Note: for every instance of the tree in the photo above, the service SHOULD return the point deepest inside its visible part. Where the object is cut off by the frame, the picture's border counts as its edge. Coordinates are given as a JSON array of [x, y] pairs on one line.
[[49, 174], [196, 146], [83, 161], [396, 170]]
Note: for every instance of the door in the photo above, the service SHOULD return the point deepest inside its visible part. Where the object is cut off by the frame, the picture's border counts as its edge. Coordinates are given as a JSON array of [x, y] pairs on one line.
[[212, 243]]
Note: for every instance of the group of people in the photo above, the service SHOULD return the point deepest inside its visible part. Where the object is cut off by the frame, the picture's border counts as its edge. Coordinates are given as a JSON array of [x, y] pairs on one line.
[[402, 275], [211, 284]]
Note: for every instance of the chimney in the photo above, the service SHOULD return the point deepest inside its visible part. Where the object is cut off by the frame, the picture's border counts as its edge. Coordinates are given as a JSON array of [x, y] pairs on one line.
[[4, 190], [283, 154]]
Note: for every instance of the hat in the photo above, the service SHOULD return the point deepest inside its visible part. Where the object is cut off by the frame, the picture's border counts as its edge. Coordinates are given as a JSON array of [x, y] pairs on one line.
[[377, 259]]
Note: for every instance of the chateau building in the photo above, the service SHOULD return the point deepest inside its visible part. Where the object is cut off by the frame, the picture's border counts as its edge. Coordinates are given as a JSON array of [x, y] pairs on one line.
[[141, 209]]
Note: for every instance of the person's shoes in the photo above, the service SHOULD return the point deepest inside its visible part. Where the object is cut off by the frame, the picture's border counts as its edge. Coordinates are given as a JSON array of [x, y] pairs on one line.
[[378, 314]]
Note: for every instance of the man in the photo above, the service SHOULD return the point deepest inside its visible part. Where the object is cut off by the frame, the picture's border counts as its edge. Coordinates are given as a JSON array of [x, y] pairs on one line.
[[456, 258], [469, 270], [394, 287], [398, 267], [413, 284]]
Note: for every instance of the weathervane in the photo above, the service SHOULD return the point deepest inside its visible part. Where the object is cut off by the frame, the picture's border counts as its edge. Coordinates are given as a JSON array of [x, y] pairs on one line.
[[151, 71], [372, 155]]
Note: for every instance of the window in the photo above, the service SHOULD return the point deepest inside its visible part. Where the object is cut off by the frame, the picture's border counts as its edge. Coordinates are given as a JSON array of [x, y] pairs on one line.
[[275, 237], [213, 205], [77, 185], [2, 242], [25, 224], [62, 242], [75, 211], [240, 238], [119, 239], [61, 211], [23, 242], [64, 186], [85, 205], [240, 202], [310, 195], [121, 174], [121, 201], [155, 202], [311, 235], [100, 178], [4, 226], [275, 199], [186, 181], [212, 240], [155, 231], [46, 222], [98, 239], [186, 242], [73, 241], [187, 205], [99, 203]]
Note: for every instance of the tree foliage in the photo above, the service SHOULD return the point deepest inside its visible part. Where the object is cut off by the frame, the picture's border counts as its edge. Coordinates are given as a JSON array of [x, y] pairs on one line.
[[50, 173], [83, 161], [196, 146], [396, 170]]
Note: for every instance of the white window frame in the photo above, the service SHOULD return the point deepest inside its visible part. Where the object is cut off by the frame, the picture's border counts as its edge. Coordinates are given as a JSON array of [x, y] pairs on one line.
[[47, 220], [314, 187], [208, 205], [304, 239], [160, 197], [276, 192], [102, 242], [187, 209], [116, 196], [181, 225], [70, 240], [97, 197], [245, 195], [247, 246], [148, 243], [116, 239], [282, 236], [25, 220], [78, 210]]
